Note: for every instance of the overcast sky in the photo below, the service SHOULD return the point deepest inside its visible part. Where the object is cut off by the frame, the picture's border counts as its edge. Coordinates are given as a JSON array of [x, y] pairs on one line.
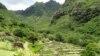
[[22, 4]]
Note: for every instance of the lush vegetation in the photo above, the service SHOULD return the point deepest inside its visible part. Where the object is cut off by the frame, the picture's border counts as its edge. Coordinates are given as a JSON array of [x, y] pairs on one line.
[[43, 27]]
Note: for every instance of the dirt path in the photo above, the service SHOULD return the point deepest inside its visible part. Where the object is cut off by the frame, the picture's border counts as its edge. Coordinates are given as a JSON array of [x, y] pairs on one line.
[[25, 45], [27, 52]]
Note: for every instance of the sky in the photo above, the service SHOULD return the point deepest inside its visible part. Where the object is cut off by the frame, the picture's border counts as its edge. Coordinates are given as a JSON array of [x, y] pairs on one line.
[[22, 4]]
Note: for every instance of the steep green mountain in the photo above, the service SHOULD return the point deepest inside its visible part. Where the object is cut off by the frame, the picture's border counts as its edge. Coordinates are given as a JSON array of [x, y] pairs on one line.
[[40, 8], [78, 21], [54, 26], [75, 22], [40, 14], [82, 11], [2, 6]]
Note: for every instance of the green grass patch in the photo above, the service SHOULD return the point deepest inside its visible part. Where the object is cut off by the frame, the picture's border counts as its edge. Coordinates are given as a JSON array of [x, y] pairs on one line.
[[35, 48]]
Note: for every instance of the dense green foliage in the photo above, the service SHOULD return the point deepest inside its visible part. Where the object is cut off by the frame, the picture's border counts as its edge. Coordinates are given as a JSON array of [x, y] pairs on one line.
[[76, 22], [19, 33], [80, 22], [92, 49]]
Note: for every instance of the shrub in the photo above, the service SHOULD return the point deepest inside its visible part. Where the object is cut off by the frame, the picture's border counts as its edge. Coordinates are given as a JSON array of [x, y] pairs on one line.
[[45, 31], [10, 39], [59, 37], [32, 37], [80, 39], [74, 37], [13, 23], [51, 37], [19, 33], [92, 49], [87, 38], [22, 25], [8, 33]]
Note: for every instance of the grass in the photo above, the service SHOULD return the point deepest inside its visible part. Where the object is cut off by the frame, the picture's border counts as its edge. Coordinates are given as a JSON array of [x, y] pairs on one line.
[[35, 48], [46, 49], [5, 49], [5, 45], [6, 53]]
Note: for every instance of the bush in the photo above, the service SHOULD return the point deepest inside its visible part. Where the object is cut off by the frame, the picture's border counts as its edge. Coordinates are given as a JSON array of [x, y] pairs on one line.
[[51, 37], [92, 49], [80, 39], [74, 38], [8, 33], [22, 25], [13, 23], [19, 33], [45, 31], [87, 38], [10, 39], [32, 37], [59, 37]]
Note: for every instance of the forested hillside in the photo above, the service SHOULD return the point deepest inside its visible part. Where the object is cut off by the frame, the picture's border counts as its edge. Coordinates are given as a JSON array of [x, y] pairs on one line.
[[40, 8], [78, 22], [79, 17], [2, 6], [51, 29]]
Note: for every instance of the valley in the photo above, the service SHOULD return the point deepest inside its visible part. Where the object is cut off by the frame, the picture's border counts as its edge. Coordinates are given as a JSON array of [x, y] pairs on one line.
[[51, 29]]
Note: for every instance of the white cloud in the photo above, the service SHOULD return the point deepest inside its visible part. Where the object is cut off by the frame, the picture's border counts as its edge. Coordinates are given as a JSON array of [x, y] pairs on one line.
[[18, 7], [42, 0], [22, 4], [60, 1]]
